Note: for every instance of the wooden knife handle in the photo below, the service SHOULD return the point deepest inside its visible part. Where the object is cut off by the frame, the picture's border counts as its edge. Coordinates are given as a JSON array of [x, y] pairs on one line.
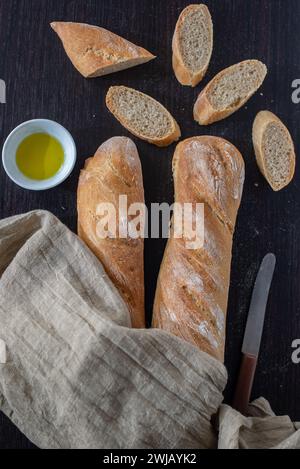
[[244, 384]]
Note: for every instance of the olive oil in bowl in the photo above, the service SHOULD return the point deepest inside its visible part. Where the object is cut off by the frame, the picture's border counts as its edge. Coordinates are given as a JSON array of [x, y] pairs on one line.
[[40, 156]]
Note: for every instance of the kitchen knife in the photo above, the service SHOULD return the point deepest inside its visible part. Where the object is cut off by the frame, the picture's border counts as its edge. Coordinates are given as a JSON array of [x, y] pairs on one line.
[[253, 333]]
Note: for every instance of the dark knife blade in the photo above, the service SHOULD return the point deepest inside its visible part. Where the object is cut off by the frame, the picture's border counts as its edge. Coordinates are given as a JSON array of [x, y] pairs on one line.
[[256, 316]]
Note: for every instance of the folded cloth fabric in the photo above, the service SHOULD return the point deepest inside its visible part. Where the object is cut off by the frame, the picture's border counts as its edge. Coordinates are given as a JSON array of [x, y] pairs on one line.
[[74, 374], [263, 430]]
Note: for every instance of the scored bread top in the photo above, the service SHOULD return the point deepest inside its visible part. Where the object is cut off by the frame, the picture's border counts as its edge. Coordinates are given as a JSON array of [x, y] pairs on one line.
[[274, 149], [114, 171], [192, 290], [192, 44], [215, 171], [95, 51], [142, 115], [229, 91]]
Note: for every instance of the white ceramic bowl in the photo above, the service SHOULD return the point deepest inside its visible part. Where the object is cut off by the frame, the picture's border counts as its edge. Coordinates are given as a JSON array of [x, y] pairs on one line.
[[23, 131]]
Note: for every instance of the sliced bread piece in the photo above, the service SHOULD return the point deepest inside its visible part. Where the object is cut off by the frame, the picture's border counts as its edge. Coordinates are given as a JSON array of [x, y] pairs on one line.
[[192, 44], [229, 91], [274, 149], [96, 52], [143, 116]]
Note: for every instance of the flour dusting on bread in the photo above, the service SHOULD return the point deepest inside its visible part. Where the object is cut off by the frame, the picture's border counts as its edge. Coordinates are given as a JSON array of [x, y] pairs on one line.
[[96, 52], [193, 284], [115, 171]]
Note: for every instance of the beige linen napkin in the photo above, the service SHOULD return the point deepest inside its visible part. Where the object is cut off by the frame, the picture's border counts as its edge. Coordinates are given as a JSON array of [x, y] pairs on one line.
[[73, 373]]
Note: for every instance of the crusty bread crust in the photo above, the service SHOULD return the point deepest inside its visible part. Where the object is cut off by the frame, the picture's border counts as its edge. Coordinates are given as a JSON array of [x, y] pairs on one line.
[[205, 113], [192, 290], [114, 170], [96, 52], [164, 141], [260, 125], [183, 74]]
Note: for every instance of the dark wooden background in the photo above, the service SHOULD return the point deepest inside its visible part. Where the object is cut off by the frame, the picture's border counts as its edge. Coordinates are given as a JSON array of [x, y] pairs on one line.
[[41, 83]]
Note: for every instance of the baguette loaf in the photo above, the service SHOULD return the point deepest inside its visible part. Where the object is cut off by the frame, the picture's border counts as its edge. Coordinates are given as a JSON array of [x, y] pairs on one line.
[[229, 91], [115, 170], [143, 116], [96, 52], [274, 149], [192, 290], [192, 44]]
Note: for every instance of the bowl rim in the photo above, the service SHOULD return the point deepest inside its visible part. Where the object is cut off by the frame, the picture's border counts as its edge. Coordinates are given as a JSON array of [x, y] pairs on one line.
[[54, 183]]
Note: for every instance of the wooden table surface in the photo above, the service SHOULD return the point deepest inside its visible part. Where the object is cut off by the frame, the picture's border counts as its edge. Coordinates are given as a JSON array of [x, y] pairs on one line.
[[41, 83]]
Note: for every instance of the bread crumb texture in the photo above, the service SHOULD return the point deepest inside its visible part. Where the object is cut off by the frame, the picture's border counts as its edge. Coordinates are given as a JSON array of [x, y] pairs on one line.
[[237, 83], [141, 113], [278, 153], [195, 39]]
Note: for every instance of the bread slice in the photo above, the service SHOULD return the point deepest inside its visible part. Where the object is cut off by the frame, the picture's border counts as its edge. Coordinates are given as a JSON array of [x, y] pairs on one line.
[[96, 52], [229, 91], [192, 44], [143, 116], [274, 149]]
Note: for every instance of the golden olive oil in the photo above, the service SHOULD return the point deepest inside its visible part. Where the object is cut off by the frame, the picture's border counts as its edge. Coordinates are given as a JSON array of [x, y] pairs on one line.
[[40, 156]]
